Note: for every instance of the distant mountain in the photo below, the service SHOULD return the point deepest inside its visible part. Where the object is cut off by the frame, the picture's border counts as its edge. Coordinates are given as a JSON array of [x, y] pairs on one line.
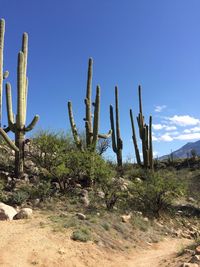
[[185, 150]]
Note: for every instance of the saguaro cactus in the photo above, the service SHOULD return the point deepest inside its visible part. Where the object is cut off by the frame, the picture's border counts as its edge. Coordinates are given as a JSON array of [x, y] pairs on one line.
[[117, 143], [3, 74], [17, 125], [91, 129], [137, 152], [145, 133]]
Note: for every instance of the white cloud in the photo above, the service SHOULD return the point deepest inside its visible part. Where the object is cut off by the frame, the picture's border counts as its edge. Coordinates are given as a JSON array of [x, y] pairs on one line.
[[159, 108], [170, 128], [163, 126], [189, 136], [166, 138], [184, 120], [192, 130], [158, 126]]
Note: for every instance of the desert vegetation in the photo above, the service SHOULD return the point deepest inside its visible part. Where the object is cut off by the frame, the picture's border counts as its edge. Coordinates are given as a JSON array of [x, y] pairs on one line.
[[52, 170]]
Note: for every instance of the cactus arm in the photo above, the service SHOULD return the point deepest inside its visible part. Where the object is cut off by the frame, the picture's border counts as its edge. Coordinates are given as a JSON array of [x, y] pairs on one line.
[[150, 144], [77, 139], [20, 87], [119, 140], [140, 98], [9, 105], [88, 114], [114, 146], [8, 141], [137, 153], [96, 117], [32, 124], [25, 82], [105, 136], [2, 32]]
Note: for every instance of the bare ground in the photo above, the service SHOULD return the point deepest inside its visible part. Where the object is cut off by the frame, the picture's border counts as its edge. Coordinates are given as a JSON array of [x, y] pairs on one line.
[[27, 243]]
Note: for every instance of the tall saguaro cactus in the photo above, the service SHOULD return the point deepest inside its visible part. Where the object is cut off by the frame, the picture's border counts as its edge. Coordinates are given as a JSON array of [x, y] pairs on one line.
[[145, 133], [3, 74], [17, 124], [91, 128], [117, 143]]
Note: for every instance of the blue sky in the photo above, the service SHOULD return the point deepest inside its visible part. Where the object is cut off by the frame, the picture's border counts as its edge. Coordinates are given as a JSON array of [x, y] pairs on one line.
[[153, 43]]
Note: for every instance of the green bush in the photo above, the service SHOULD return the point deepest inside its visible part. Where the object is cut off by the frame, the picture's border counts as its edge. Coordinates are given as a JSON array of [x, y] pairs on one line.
[[83, 235], [87, 167], [49, 149], [156, 193]]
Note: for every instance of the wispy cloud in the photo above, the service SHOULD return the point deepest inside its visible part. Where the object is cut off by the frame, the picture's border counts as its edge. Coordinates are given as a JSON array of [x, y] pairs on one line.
[[163, 126], [184, 120], [191, 136], [192, 130], [159, 108]]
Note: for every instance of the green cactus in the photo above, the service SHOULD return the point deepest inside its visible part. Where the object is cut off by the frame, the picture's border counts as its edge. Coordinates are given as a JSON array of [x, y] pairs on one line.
[[137, 152], [17, 124], [3, 75], [91, 129], [117, 143], [145, 133]]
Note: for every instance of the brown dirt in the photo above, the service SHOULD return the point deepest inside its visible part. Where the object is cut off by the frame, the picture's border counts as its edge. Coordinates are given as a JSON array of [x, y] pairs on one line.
[[32, 242]]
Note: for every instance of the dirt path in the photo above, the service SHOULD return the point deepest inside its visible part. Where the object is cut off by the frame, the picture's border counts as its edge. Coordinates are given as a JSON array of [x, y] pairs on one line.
[[31, 243]]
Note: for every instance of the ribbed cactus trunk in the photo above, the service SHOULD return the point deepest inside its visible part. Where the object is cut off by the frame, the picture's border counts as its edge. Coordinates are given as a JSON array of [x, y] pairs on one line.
[[145, 133], [91, 128], [117, 143], [2, 31], [137, 152], [17, 125], [19, 156]]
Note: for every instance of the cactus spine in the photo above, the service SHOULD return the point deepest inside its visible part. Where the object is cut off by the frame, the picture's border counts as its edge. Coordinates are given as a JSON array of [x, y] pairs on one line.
[[17, 124], [145, 133], [117, 143], [91, 129]]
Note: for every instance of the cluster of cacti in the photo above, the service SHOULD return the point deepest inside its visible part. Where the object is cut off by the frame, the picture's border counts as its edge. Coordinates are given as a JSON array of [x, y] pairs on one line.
[[17, 124], [117, 143], [145, 133], [91, 129]]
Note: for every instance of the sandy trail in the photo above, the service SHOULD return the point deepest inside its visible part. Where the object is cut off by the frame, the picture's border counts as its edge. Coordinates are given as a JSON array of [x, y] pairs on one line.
[[27, 243]]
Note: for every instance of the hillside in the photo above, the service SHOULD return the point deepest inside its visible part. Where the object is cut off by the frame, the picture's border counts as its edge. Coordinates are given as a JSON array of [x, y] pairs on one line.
[[185, 150]]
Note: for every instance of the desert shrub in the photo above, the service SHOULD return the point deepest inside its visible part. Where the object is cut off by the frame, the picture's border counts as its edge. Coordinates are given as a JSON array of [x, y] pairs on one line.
[[82, 234], [6, 156], [156, 193], [49, 148], [2, 192], [18, 197], [87, 167]]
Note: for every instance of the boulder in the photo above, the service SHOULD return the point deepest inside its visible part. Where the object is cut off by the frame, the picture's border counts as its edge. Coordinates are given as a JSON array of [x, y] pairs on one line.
[[81, 216], [126, 218], [6, 212], [24, 213]]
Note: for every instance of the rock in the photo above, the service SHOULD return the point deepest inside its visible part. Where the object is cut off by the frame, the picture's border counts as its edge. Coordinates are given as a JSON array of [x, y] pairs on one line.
[[84, 198], [81, 216], [24, 213], [197, 250], [126, 218], [6, 212], [78, 186], [139, 180], [189, 251], [85, 201], [35, 202], [187, 264], [195, 259], [101, 194], [145, 219], [191, 199]]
